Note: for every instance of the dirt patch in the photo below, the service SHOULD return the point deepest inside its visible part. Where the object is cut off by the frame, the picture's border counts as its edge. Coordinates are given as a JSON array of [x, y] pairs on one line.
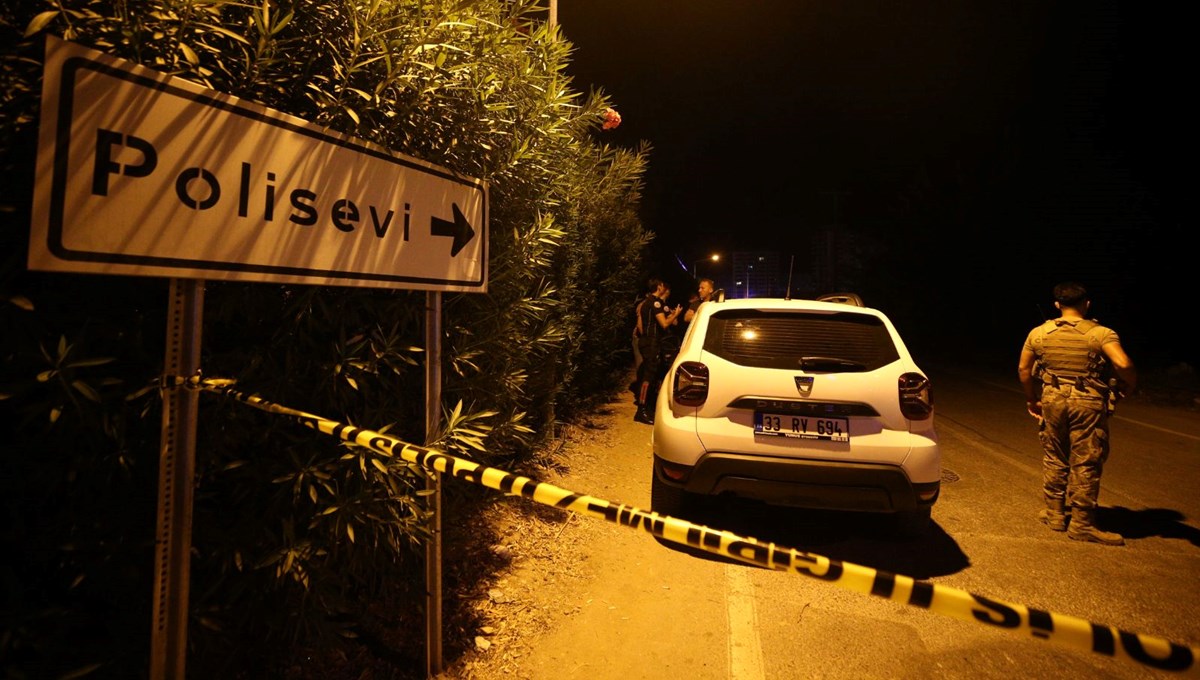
[[537, 552]]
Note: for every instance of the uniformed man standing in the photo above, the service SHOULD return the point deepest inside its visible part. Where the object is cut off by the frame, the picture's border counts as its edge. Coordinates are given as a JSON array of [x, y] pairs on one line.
[[656, 320], [1067, 369]]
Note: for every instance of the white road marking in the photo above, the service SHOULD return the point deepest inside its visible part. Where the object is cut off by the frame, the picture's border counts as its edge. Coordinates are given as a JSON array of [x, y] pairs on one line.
[[1160, 429], [1185, 435], [745, 649]]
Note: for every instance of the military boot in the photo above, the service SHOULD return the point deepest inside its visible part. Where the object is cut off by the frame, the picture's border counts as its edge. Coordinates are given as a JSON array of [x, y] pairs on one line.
[[1084, 529], [643, 415], [1054, 515]]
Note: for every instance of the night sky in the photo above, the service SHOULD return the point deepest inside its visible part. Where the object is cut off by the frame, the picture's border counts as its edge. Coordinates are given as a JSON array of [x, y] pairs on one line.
[[980, 152]]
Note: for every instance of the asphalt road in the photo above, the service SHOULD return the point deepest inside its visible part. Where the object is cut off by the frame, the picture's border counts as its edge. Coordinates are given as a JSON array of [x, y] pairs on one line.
[[986, 542], [648, 611]]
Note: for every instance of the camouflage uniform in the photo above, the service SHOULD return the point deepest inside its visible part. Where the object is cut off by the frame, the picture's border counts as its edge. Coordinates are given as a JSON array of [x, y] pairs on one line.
[[1075, 408], [1074, 436]]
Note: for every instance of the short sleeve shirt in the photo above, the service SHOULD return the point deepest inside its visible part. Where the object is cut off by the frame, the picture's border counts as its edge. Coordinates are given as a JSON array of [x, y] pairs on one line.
[[650, 310]]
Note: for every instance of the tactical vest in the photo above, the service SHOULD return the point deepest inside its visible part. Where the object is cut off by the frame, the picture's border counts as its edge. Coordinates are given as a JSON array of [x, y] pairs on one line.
[[1068, 353]]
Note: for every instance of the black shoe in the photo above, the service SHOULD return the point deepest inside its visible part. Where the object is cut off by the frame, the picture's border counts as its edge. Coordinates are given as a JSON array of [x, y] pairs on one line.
[[643, 416]]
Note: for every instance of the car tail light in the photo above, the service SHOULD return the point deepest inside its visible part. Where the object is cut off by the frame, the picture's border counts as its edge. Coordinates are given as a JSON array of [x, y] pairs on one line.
[[691, 383], [674, 471], [916, 400]]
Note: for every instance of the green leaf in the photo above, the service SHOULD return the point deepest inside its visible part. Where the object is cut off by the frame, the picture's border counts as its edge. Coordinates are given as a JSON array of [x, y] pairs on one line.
[[353, 115], [20, 300], [139, 393], [80, 672], [86, 390], [225, 32], [39, 22], [350, 532], [473, 443], [99, 361], [189, 54], [287, 19]]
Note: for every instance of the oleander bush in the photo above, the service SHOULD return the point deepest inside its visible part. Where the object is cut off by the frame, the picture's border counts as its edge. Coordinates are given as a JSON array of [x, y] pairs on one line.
[[298, 538]]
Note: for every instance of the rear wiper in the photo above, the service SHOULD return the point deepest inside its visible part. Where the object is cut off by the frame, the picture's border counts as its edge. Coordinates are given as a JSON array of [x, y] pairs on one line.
[[830, 364]]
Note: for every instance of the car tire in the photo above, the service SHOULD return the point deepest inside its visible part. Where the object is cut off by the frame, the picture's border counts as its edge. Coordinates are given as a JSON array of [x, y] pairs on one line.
[[666, 499], [913, 523]]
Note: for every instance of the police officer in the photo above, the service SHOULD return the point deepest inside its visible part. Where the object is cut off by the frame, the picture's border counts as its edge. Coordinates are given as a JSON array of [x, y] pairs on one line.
[[1067, 369], [656, 320]]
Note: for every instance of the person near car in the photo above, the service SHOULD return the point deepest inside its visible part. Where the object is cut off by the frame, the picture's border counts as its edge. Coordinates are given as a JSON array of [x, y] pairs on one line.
[[704, 293], [656, 321], [651, 287], [637, 319], [1066, 369], [669, 342]]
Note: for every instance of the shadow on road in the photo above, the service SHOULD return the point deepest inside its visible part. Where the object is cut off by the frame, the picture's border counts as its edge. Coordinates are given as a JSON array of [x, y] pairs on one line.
[[1146, 523], [865, 539]]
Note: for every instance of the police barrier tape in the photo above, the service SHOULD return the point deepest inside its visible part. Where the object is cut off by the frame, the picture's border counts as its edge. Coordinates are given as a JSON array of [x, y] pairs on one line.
[[1081, 634]]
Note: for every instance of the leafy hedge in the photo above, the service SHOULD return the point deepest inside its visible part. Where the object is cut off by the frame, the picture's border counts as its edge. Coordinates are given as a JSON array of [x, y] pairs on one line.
[[295, 537]]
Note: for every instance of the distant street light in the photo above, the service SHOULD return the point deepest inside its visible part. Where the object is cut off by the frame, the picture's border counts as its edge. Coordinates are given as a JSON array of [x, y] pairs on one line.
[[715, 257]]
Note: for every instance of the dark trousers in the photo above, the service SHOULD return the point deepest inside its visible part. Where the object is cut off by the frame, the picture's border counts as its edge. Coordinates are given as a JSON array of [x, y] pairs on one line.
[[648, 370]]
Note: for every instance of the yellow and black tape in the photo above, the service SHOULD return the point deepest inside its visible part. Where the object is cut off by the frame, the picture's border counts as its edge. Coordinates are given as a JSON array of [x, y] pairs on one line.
[[1081, 634]]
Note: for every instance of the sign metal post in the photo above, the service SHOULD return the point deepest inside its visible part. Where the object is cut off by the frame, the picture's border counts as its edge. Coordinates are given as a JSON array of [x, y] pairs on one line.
[[177, 460], [433, 482]]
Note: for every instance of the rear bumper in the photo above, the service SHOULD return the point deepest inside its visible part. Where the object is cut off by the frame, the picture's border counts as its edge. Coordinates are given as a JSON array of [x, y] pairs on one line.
[[815, 484]]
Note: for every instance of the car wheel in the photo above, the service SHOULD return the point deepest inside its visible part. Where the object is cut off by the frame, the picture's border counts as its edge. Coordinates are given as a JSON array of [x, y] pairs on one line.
[[913, 523], [666, 499]]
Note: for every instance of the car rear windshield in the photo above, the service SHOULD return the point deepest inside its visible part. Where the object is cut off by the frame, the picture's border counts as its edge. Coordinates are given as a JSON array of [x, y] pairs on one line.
[[838, 343]]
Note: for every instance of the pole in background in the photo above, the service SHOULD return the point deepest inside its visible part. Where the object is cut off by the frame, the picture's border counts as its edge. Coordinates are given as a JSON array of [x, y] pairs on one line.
[[176, 471], [715, 257]]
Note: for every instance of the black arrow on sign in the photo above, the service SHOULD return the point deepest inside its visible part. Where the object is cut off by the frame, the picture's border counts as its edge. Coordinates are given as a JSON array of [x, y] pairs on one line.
[[460, 229]]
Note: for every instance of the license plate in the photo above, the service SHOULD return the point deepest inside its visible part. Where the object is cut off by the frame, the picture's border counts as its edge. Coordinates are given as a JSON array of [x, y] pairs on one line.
[[801, 427]]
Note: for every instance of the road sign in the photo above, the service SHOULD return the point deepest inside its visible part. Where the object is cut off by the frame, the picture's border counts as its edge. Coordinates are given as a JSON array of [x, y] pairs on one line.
[[140, 173]]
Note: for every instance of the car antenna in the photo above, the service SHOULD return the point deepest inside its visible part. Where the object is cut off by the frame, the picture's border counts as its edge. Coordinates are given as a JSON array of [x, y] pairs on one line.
[[791, 266]]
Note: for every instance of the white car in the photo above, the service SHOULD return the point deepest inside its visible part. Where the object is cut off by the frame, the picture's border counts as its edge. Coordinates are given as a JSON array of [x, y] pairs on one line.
[[801, 403]]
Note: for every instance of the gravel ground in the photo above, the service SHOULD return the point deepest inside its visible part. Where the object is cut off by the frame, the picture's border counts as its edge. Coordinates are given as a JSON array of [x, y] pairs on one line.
[[537, 552]]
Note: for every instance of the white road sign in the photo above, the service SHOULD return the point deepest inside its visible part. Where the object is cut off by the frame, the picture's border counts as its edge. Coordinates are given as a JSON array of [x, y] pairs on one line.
[[139, 173]]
